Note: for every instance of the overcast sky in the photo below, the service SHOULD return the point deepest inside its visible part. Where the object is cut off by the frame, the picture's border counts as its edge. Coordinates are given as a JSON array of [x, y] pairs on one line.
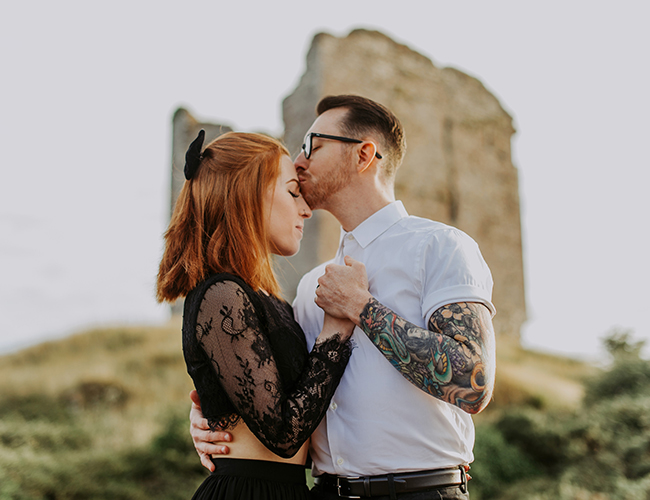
[[89, 89]]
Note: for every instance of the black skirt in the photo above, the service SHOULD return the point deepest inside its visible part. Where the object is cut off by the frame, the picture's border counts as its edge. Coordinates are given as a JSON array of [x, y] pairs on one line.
[[237, 479]]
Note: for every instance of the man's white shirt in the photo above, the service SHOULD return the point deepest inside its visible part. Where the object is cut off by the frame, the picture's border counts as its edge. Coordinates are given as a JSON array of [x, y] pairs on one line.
[[378, 422]]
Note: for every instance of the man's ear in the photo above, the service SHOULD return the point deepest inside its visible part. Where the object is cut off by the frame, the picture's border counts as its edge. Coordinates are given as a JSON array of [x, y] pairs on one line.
[[366, 154]]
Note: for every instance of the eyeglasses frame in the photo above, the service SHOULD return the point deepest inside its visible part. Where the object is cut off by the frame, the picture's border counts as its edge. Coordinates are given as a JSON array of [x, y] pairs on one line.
[[311, 135]]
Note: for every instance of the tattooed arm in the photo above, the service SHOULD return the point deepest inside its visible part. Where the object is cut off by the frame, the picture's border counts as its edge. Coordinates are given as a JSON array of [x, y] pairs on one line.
[[453, 360]]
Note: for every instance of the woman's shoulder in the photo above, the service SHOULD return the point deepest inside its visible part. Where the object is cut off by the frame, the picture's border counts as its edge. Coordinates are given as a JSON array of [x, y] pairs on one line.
[[219, 287], [230, 280], [224, 285], [224, 277], [224, 294]]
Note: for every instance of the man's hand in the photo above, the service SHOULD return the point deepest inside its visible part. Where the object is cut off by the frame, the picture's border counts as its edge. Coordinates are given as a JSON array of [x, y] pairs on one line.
[[204, 439], [342, 291]]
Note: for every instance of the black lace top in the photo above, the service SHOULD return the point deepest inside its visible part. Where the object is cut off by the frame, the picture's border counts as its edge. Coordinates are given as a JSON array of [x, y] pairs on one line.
[[249, 360]]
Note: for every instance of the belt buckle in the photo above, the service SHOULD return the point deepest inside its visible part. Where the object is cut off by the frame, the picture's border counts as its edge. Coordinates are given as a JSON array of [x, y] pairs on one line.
[[463, 479], [338, 487]]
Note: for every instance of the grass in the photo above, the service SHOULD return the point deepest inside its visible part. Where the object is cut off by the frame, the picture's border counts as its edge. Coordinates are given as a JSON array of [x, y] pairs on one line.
[[103, 414], [120, 379]]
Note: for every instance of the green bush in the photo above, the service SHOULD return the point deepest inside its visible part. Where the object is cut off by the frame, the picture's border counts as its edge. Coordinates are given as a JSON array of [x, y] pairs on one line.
[[625, 377], [602, 450], [531, 433], [168, 468], [41, 436], [35, 407], [497, 464]]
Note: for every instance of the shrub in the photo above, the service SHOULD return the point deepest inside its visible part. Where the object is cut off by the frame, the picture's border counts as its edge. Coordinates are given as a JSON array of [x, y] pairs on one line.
[[95, 393], [601, 450], [168, 468], [497, 464], [532, 434], [35, 407]]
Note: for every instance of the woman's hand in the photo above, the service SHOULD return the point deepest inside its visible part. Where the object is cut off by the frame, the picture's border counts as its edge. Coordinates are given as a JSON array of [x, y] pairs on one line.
[[342, 291]]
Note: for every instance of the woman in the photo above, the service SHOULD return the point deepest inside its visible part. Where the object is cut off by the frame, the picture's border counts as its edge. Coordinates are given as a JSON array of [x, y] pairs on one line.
[[247, 356]]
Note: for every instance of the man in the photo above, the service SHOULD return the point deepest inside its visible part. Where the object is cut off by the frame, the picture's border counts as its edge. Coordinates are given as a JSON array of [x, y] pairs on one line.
[[401, 431]]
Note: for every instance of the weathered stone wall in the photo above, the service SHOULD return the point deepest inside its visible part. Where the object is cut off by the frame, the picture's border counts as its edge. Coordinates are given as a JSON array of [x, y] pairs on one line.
[[458, 167]]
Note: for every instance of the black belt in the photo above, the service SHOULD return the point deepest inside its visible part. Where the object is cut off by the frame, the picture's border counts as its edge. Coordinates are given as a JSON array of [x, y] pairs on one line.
[[373, 486]]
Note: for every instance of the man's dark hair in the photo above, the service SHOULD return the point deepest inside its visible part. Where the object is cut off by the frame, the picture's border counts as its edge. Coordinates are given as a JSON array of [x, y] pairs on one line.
[[364, 116]]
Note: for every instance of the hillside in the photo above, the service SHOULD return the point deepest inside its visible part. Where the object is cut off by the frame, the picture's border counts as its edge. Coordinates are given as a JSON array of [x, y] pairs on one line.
[[139, 371], [99, 415], [109, 397], [538, 379]]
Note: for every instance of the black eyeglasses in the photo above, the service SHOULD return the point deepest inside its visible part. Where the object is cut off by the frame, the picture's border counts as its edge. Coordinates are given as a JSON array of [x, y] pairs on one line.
[[307, 147]]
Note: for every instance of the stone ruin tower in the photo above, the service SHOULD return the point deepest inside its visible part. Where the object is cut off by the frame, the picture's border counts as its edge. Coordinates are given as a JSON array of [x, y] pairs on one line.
[[457, 170]]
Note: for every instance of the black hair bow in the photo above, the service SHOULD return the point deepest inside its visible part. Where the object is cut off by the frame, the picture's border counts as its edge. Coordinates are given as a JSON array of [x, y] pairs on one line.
[[193, 156]]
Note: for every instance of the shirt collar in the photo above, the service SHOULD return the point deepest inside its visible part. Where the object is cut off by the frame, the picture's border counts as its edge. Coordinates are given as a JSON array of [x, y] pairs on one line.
[[378, 223]]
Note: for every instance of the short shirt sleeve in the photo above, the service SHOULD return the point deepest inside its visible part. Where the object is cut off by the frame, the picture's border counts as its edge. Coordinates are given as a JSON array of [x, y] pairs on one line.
[[453, 271]]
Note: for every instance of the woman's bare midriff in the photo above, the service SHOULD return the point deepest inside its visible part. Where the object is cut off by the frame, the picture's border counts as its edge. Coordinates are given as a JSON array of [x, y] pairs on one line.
[[244, 444]]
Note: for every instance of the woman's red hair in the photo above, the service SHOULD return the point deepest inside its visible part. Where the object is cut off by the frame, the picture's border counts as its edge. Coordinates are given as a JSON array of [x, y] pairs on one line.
[[218, 222]]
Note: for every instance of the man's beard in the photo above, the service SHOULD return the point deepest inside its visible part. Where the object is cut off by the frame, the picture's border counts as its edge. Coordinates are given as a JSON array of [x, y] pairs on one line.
[[328, 185], [319, 192]]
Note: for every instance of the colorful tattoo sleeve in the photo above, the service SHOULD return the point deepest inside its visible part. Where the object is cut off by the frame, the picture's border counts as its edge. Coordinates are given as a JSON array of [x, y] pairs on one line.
[[454, 360]]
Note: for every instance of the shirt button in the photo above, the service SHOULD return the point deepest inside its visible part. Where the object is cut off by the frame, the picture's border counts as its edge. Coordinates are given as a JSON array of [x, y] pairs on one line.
[[333, 406], [350, 237], [339, 461]]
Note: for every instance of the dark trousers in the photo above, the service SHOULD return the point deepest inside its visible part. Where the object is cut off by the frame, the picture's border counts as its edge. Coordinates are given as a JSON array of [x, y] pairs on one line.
[[453, 493]]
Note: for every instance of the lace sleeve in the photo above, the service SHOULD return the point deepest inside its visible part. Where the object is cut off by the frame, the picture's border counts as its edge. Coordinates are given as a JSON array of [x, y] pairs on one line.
[[228, 329]]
